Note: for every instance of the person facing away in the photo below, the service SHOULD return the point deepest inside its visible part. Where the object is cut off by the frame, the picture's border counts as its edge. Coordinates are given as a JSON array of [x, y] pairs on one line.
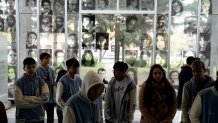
[[48, 75], [3, 115], [157, 98], [83, 107], [184, 76], [59, 112], [205, 108], [31, 92], [69, 84], [120, 96], [198, 82]]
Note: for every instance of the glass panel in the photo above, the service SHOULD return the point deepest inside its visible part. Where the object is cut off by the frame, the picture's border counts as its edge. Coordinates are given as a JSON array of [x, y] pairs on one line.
[[72, 6], [106, 5], [129, 4], [27, 6], [147, 5], [88, 4], [162, 6]]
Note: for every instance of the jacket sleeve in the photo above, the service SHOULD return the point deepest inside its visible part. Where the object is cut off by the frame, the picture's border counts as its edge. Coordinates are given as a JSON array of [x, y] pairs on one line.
[[144, 109], [3, 115], [107, 101], [59, 94], [25, 101], [68, 115], [132, 104], [195, 111], [171, 112], [185, 104]]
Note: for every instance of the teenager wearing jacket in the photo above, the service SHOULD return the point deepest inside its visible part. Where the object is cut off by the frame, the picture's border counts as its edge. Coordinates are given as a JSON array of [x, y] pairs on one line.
[[120, 96], [47, 74], [191, 88], [69, 84], [83, 107], [31, 92], [157, 98]]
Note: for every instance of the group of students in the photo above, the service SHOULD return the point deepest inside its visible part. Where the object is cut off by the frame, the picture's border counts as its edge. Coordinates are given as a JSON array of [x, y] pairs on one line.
[[80, 101]]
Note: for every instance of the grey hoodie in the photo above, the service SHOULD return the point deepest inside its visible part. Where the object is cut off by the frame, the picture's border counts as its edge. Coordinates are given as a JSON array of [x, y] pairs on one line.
[[79, 108]]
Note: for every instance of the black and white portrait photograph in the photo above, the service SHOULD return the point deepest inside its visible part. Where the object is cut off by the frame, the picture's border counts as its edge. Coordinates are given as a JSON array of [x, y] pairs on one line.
[[2, 24], [88, 59], [162, 23], [132, 4], [204, 43], [132, 72], [72, 41], [102, 41], [59, 58], [31, 4], [88, 40], [46, 7], [59, 24], [131, 23], [161, 41], [88, 23], [72, 53], [58, 7], [32, 53], [88, 4], [102, 4], [31, 41], [147, 5], [46, 24], [190, 25], [10, 10], [12, 57], [72, 6], [10, 24], [177, 8]]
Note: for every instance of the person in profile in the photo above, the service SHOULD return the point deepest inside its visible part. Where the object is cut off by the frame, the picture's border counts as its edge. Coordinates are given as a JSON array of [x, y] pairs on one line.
[[10, 21], [72, 6], [2, 24], [131, 23], [46, 6], [45, 24], [132, 5], [88, 4], [102, 41], [102, 4], [58, 7], [31, 40], [88, 23], [10, 7], [88, 59], [102, 73], [59, 24]]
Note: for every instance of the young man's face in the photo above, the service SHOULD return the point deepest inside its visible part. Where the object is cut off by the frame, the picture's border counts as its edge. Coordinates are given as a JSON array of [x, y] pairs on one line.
[[45, 61], [46, 7], [198, 73], [72, 70], [119, 75], [59, 23], [30, 69], [102, 73], [13, 57], [95, 92], [32, 38], [46, 25]]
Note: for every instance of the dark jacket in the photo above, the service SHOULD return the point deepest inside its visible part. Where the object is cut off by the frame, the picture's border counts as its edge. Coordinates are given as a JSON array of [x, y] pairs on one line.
[[3, 116], [184, 76]]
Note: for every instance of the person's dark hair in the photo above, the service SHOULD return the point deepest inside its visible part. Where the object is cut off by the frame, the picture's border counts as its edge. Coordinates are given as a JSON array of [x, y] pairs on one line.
[[121, 66], [60, 17], [169, 90], [28, 61], [7, 20], [105, 2], [43, 55], [45, 1], [198, 64], [77, 6], [131, 17], [58, 51], [129, 3], [101, 69], [190, 60], [60, 74], [34, 33], [181, 7], [72, 62], [84, 60]]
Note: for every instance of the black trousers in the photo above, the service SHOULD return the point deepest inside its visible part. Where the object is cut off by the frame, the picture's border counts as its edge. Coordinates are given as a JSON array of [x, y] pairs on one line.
[[37, 122], [60, 116], [49, 108], [107, 121]]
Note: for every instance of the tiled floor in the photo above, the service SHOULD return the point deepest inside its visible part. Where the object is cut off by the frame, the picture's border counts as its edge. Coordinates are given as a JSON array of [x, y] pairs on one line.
[[11, 116]]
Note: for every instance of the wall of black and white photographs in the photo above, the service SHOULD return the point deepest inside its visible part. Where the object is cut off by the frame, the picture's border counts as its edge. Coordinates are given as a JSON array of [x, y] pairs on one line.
[[64, 30]]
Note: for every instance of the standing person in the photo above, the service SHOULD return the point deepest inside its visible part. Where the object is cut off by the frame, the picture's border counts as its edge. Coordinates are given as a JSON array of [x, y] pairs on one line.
[[204, 108], [157, 98], [3, 115], [83, 107], [31, 92], [198, 82], [59, 111], [120, 97], [69, 84], [184, 76], [47, 74]]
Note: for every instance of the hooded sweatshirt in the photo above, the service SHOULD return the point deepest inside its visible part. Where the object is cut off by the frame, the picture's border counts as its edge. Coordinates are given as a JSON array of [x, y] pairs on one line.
[[79, 108]]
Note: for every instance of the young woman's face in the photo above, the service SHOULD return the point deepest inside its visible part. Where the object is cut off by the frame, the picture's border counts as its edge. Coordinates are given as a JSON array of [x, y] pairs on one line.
[[72, 41], [32, 38], [11, 73], [157, 75]]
